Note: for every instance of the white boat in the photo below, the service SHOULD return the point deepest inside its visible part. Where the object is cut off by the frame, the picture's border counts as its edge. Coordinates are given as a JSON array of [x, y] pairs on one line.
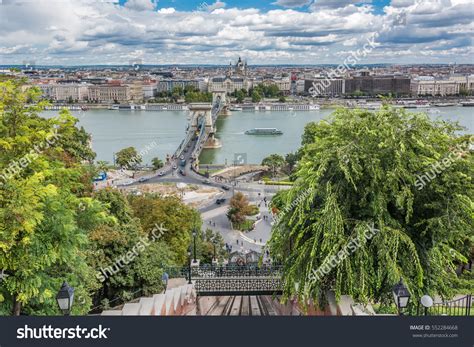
[[264, 131]]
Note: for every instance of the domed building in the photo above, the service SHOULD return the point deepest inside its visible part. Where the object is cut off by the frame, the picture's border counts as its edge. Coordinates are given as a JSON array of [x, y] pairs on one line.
[[235, 79]]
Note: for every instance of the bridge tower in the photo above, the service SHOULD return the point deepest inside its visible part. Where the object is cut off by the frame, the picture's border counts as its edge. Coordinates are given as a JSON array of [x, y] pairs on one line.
[[201, 115], [222, 96]]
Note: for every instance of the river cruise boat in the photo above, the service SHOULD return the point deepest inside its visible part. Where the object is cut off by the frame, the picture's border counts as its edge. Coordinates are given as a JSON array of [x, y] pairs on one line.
[[264, 131]]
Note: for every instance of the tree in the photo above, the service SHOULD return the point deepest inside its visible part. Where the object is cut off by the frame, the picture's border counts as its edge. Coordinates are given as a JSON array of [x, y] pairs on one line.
[[157, 163], [128, 158], [102, 165], [275, 162], [239, 208], [256, 97], [360, 175], [240, 96], [291, 160], [282, 99], [177, 218], [45, 215]]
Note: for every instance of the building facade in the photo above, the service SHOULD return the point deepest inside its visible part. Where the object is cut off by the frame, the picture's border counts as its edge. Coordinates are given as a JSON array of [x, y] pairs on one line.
[[109, 93], [373, 85], [64, 92], [325, 87], [434, 87]]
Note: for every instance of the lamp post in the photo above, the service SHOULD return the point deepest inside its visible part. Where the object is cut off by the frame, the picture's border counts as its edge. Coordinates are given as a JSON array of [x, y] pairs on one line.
[[189, 267], [65, 298], [194, 242], [401, 295], [426, 302], [214, 244]]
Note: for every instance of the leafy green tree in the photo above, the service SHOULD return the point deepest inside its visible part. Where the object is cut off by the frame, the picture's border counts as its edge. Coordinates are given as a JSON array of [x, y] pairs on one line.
[[128, 158], [44, 214], [291, 160], [157, 163], [361, 172], [275, 162], [102, 165], [177, 218], [240, 96], [256, 97]]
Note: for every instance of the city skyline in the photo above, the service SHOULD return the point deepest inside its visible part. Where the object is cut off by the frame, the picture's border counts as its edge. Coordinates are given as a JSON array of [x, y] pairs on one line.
[[282, 32]]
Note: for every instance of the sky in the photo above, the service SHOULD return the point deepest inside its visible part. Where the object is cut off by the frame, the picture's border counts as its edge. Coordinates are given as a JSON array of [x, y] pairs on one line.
[[124, 32]]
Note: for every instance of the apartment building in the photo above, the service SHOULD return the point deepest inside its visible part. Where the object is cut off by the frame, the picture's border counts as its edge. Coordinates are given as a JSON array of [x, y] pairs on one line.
[[430, 86], [110, 93]]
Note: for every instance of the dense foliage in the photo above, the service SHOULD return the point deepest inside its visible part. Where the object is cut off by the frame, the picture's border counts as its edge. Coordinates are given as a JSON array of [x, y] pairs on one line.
[[359, 175], [55, 228]]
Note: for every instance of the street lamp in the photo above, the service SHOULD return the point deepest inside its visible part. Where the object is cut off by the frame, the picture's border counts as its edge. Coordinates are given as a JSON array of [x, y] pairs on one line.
[[194, 242], [65, 298], [214, 244], [189, 267], [401, 295], [427, 302]]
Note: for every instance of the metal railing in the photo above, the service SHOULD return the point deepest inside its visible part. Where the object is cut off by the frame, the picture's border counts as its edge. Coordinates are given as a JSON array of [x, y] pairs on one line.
[[221, 271], [458, 307]]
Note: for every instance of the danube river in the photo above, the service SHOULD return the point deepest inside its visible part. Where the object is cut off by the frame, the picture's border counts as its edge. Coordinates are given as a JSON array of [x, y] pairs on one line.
[[114, 130]]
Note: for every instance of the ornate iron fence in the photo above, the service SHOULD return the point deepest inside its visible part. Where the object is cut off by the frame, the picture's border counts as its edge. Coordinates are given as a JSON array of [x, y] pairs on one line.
[[458, 307], [232, 279]]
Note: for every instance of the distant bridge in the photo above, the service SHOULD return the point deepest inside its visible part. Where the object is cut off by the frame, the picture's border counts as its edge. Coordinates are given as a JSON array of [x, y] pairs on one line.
[[202, 127]]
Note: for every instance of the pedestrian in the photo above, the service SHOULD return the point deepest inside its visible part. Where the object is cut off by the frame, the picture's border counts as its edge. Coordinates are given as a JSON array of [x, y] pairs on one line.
[[214, 224], [260, 240]]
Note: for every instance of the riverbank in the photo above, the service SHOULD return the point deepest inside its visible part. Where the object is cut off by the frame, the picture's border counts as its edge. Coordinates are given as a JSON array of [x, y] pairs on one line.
[[292, 104]]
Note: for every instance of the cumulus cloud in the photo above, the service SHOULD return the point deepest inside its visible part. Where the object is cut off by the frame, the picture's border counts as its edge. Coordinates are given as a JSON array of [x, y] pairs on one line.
[[141, 5], [338, 3], [87, 31], [292, 3]]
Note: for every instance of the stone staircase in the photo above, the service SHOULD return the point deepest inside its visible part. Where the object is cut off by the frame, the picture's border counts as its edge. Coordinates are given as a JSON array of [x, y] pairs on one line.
[[178, 301]]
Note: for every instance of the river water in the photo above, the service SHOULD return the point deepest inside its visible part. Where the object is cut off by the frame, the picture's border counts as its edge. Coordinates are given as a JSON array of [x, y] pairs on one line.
[[114, 130]]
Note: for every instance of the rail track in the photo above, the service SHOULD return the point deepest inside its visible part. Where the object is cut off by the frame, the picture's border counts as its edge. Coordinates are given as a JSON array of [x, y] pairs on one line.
[[248, 305]]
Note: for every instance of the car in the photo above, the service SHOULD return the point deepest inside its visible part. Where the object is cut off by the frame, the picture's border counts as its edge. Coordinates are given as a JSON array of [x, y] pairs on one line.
[[161, 173], [143, 179], [206, 182], [182, 157], [182, 172], [225, 188], [220, 201], [175, 167]]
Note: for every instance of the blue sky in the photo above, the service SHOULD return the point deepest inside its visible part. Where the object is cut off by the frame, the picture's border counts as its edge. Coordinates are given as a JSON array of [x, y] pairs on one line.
[[71, 32], [264, 5]]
